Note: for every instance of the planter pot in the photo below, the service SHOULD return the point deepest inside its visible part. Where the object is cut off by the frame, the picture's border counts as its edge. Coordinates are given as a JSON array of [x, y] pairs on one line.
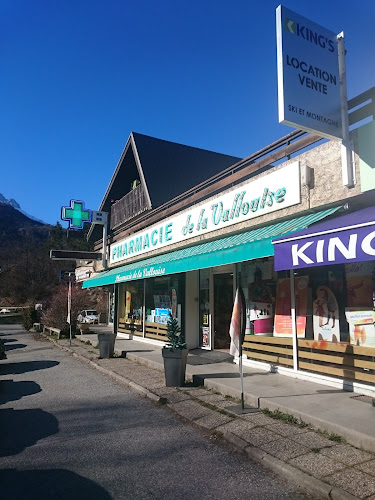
[[106, 344], [174, 366]]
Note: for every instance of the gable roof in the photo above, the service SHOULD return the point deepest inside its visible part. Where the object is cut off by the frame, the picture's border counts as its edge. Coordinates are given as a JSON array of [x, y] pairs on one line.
[[166, 169], [171, 169]]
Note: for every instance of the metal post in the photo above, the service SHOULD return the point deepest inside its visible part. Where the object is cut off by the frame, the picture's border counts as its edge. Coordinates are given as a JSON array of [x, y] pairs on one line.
[[104, 254], [347, 160], [115, 309], [144, 310], [70, 308], [294, 320]]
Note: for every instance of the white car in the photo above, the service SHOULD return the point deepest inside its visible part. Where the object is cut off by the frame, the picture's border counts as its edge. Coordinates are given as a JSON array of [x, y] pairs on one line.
[[88, 316], [5, 311]]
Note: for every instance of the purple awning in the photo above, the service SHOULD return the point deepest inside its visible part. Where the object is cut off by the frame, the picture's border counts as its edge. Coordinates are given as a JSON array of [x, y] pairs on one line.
[[349, 238]]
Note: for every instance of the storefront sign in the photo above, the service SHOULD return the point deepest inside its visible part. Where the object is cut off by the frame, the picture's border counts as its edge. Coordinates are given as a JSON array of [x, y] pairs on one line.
[[267, 194], [146, 272], [346, 239], [308, 75]]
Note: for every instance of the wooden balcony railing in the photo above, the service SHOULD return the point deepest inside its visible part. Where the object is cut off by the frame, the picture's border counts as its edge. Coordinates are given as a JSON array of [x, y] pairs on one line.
[[130, 205]]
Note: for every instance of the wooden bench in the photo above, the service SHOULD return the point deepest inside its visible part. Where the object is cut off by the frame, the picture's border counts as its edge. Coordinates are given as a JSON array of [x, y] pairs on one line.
[[49, 330]]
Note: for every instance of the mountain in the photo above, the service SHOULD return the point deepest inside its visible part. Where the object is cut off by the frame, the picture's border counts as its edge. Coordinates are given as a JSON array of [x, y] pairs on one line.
[[14, 225], [12, 203]]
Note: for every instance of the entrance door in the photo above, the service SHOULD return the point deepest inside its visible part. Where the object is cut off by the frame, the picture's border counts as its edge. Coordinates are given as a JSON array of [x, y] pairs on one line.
[[223, 306]]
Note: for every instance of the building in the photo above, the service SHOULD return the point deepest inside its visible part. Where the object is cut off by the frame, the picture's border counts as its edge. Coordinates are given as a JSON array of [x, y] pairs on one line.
[[219, 222]]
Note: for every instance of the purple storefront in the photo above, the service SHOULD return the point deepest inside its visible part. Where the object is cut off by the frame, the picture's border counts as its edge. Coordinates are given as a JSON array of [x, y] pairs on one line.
[[328, 272]]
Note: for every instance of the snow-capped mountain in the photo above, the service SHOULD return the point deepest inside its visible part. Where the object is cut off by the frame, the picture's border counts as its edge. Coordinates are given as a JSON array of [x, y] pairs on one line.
[[13, 203]]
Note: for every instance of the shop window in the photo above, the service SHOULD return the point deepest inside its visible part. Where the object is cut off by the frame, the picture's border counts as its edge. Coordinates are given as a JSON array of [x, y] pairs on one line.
[[360, 302], [165, 296], [131, 306], [257, 279]]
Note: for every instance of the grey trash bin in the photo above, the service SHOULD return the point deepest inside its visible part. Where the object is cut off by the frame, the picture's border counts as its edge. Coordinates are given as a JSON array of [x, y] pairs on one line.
[[106, 344]]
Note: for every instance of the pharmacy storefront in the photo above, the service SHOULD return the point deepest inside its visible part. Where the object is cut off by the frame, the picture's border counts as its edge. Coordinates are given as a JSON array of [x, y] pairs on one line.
[[199, 257]]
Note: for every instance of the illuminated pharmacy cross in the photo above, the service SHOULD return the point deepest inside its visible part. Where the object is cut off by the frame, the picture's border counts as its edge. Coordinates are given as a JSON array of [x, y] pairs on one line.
[[75, 214]]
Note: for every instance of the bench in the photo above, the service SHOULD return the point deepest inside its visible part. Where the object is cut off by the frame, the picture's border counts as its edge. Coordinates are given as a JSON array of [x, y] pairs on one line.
[[37, 327], [49, 330]]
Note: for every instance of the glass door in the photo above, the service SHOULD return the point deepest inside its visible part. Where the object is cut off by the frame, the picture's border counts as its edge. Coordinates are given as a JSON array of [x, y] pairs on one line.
[[223, 306]]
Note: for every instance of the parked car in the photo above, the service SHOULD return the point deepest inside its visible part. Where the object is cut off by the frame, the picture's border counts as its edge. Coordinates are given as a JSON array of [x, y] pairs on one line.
[[88, 316], [4, 310]]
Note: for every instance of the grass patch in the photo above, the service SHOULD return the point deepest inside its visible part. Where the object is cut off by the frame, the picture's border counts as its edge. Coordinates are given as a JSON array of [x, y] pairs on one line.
[[214, 408], [285, 417], [217, 434], [336, 438], [163, 401], [86, 342]]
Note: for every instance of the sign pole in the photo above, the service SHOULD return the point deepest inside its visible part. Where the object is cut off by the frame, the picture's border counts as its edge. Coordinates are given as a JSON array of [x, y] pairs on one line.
[[104, 254], [347, 160], [70, 309]]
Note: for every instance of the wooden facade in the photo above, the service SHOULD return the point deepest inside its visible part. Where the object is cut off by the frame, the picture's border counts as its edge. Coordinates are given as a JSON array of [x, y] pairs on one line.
[[338, 360]]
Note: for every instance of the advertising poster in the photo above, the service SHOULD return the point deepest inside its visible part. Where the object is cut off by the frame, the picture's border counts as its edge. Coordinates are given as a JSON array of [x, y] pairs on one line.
[[174, 303], [127, 304], [283, 318], [359, 284], [361, 326], [206, 336], [326, 315]]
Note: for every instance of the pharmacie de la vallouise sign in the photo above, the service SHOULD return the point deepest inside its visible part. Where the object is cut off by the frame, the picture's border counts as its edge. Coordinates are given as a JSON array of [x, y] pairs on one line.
[[267, 194], [308, 75]]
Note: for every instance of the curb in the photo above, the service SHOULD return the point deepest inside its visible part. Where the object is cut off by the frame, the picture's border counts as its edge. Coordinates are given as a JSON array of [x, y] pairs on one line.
[[308, 483]]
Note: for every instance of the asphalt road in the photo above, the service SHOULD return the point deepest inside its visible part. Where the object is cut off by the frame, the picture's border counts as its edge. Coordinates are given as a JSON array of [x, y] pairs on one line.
[[69, 432]]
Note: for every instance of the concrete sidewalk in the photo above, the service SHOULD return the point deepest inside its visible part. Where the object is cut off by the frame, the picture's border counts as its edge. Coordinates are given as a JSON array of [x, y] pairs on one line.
[[314, 455], [344, 413]]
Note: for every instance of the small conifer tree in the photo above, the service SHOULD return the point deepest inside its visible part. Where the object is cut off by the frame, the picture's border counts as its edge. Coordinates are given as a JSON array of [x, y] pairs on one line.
[[175, 338]]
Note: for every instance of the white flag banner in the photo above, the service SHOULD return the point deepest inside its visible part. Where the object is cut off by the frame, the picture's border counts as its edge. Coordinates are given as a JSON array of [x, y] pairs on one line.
[[235, 326]]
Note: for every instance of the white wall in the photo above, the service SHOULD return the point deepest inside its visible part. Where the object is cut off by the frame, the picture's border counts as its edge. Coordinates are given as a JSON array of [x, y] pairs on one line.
[[192, 309]]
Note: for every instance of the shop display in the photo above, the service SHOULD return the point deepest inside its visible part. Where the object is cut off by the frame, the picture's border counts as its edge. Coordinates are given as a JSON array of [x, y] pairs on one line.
[[259, 318]]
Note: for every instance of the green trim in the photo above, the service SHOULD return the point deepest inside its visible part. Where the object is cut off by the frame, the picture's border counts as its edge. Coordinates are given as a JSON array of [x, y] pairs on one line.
[[237, 248]]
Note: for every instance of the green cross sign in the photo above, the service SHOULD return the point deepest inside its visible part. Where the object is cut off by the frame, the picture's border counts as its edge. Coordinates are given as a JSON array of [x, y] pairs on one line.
[[76, 215]]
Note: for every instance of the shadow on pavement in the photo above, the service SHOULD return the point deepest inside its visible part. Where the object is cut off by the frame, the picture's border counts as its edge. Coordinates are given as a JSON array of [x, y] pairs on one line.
[[23, 428], [12, 391], [26, 366], [50, 483], [14, 346]]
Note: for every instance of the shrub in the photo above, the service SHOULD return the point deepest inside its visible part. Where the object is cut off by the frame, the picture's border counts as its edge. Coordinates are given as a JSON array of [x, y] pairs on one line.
[[57, 311], [29, 317]]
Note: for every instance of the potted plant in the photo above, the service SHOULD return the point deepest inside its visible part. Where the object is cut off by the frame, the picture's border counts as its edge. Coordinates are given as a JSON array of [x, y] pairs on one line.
[[174, 355]]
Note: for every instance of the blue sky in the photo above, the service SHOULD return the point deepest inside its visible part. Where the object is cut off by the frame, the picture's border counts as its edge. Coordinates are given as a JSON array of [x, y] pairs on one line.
[[77, 76]]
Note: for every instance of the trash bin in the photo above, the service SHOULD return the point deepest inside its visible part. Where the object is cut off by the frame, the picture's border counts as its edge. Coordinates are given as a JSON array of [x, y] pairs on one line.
[[106, 344]]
